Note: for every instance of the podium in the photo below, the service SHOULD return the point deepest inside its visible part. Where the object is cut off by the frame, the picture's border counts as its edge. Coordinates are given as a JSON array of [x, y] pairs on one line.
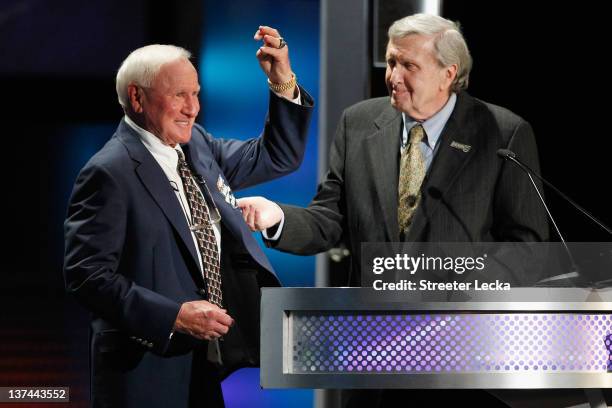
[[524, 338]]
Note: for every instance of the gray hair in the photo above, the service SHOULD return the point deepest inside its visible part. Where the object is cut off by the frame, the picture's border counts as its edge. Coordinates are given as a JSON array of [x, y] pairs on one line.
[[141, 66], [449, 43]]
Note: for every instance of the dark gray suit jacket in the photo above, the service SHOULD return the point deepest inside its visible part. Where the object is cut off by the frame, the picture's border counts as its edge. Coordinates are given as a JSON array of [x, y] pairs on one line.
[[472, 196]]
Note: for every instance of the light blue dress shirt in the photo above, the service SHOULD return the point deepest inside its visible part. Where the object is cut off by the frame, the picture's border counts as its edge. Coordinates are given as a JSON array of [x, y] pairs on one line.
[[433, 128]]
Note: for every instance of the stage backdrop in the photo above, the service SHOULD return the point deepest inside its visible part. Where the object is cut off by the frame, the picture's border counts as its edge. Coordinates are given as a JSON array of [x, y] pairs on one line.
[[234, 102]]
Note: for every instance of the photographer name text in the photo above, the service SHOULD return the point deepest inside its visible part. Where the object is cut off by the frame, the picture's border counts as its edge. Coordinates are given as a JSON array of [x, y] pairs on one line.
[[425, 284]]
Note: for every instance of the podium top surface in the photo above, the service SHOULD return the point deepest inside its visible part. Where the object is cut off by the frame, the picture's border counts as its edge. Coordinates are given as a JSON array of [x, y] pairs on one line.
[[563, 299]]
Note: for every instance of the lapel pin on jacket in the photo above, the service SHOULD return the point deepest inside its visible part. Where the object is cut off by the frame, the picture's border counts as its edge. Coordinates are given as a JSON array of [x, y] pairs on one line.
[[226, 191], [463, 147], [221, 185]]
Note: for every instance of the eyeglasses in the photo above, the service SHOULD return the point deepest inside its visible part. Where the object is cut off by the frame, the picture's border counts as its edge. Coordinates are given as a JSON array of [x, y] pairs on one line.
[[215, 217]]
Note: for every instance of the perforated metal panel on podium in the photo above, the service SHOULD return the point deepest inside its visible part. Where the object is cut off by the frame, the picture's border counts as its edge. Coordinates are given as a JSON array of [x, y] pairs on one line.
[[360, 338]]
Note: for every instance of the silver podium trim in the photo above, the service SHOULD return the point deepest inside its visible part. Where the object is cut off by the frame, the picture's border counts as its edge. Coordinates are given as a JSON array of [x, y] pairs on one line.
[[278, 304]]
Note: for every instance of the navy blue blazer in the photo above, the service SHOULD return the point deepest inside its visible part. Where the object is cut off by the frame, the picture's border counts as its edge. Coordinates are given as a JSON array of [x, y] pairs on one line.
[[130, 258]]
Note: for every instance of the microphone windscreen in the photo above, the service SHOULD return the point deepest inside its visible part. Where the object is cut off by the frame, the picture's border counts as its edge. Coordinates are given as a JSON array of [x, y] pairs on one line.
[[505, 153]]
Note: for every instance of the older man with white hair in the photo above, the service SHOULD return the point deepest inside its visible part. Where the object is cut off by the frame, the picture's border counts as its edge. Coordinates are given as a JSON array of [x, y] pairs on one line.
[[156, 247]]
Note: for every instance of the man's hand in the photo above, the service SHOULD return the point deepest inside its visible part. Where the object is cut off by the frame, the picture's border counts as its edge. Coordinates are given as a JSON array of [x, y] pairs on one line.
[[274, 61], [203, 320], [260, 213]]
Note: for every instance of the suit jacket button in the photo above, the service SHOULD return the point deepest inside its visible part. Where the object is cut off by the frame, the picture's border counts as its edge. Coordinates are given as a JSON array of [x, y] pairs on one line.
[[202, 291]]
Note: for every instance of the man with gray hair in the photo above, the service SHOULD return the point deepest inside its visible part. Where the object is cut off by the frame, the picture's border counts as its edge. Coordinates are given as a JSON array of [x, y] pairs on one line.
[[156, 247], [420, 166]]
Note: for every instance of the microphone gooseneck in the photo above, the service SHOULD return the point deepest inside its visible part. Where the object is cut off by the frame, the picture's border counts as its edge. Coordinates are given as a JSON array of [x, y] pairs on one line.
[[511, 156]]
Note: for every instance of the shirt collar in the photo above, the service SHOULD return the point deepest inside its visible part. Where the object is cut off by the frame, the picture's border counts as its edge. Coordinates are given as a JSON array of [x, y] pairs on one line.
[[158, 149], [434, 125]]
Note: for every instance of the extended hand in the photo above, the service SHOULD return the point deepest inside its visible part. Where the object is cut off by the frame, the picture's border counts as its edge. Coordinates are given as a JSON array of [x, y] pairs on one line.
[[203, 320], [274, 61], [260, 213]]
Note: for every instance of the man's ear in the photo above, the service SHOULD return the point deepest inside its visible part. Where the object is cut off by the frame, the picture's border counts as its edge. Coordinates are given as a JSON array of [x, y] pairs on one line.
[[450, 73], [135, 96]]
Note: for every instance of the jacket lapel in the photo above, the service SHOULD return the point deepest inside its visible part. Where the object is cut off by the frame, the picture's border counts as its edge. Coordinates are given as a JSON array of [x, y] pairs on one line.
[[447, 164], [150, 174], [201, 165], [383, 149], [199, 160], [231, 217]]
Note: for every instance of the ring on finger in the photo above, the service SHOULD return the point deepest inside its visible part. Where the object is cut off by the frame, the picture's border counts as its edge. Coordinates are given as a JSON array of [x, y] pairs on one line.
[[281, 43]]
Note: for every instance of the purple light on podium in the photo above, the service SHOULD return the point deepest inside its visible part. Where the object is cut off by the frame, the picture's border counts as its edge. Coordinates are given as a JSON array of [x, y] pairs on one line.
[[451, 342]]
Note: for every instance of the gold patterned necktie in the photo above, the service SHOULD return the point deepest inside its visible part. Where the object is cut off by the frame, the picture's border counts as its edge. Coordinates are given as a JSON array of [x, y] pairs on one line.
[[412, 173], [201, 226]]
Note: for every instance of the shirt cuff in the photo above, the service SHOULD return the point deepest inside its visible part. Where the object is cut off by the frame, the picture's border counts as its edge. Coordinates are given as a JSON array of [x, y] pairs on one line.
[[297, 100], [279, 229]]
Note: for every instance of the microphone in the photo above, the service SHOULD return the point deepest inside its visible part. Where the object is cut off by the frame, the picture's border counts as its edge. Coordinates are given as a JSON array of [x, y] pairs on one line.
[[510, 155], [436, 194], [566, 278], [505, 153]]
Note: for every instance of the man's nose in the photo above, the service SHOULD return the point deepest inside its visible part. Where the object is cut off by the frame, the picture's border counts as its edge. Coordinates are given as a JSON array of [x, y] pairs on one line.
[[191, 106], [396, 75]]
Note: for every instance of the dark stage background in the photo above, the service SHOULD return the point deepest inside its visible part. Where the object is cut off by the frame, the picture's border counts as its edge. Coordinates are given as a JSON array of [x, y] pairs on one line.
[[57, 66]]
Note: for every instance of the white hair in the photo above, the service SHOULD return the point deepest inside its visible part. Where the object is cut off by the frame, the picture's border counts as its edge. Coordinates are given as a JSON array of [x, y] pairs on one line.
[[449, 44], [141, 66]]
